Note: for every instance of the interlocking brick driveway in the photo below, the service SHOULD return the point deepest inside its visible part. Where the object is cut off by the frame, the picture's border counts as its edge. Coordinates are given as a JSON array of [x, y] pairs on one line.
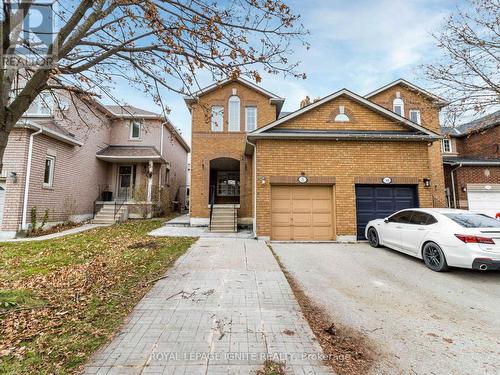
[[225, 297]]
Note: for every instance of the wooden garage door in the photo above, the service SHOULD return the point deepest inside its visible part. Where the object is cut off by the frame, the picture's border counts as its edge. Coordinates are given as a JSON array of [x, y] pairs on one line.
[[302, 213]]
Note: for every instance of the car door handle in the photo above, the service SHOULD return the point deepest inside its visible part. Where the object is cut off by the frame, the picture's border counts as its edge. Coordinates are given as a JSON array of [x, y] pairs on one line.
[[399, 227], [420, 228]]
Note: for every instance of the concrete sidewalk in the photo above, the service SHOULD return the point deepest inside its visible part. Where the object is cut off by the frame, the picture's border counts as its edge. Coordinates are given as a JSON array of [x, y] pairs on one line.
[[223, 308]]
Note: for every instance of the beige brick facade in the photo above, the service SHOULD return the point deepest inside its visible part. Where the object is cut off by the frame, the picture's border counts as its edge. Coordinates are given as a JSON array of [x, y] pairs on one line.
[[208, 145], [339, 163], [79, 175]]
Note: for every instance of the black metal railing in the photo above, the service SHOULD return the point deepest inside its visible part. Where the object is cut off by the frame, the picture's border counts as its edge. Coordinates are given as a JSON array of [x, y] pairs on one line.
[[119, 201], [212, 202]]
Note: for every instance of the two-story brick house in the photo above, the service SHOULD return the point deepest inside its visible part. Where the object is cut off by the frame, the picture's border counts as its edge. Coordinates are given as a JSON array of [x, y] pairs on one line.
[[471, 157], [321, 172], [61, 158]]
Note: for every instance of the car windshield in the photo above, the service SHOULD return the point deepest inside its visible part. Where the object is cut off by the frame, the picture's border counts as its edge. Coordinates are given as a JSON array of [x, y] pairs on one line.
[[472, 220]]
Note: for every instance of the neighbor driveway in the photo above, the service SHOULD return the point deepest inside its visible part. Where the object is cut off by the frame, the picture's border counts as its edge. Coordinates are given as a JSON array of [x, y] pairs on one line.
[[420, 321]]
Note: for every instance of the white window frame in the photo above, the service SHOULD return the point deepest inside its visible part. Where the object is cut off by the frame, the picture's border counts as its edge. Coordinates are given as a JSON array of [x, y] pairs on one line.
[[419, 121], [247, 112], [217, 118], [42, 106], [443, 147], [131, 130], [398, 102], [52, 159], [234, 118], [224, 189]]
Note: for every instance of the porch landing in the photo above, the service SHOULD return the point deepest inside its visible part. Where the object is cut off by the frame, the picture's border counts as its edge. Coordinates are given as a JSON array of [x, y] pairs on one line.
[[179, 227]]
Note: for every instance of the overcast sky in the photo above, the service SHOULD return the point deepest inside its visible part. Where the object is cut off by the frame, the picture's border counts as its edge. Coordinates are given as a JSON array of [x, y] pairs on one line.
[[357, 44]]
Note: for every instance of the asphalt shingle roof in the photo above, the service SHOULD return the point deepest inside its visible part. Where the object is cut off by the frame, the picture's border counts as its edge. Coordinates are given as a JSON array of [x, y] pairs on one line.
[[482, 123]]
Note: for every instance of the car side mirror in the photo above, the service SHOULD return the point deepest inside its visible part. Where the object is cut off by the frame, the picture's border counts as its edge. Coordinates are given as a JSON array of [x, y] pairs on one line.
[[386, 220]]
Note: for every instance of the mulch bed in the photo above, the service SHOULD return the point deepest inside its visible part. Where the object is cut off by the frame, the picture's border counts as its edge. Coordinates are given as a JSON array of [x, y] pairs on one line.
[[55, 229], [348, 351]]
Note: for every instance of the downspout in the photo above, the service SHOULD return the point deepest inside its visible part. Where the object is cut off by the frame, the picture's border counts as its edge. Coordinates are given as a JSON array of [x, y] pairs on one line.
[[453, 185], [24, 225], [254, 190], [161, 153]]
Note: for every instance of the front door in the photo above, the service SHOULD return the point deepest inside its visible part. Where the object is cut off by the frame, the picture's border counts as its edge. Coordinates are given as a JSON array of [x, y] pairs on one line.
[[124, 181], [228, 187]]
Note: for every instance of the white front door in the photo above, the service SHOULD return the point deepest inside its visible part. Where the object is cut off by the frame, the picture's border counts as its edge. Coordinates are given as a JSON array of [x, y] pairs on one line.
[[2, 199], [125, 177]]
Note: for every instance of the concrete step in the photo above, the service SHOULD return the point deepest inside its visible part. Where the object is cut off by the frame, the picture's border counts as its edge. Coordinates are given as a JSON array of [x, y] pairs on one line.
[[101, 221]]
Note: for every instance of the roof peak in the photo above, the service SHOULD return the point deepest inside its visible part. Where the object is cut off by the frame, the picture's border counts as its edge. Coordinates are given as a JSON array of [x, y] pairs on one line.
[[402, 81]]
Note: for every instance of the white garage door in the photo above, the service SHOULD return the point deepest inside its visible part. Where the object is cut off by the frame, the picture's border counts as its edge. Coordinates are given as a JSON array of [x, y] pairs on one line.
[[2, 199], [484, 201]]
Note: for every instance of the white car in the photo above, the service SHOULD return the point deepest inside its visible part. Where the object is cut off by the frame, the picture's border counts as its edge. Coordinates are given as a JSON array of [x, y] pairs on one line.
[[441, 237]]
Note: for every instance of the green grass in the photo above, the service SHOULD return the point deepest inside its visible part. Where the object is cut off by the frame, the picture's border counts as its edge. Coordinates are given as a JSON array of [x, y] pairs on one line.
[[62, 299]]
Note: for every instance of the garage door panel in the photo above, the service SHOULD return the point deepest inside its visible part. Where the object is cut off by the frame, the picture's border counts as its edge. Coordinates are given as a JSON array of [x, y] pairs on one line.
[[375, 201], [301, 205], [280, 205], [322, 233], [322, 219], [302, 219], [301, 213], [282, 233], [302, 233]]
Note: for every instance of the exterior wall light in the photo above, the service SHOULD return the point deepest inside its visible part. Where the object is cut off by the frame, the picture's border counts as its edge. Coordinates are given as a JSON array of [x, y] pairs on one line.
[[13, 177], [427, 182]]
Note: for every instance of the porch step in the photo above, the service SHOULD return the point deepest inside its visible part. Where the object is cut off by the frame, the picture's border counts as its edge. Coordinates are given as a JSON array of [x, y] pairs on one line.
[[224, 219], [106, 214]]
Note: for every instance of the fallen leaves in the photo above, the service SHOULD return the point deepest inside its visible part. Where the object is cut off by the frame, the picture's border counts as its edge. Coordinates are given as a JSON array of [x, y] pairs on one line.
[[80, 288]]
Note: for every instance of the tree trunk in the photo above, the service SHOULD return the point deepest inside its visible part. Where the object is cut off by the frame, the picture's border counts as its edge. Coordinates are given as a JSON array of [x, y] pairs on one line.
[[6, 126]]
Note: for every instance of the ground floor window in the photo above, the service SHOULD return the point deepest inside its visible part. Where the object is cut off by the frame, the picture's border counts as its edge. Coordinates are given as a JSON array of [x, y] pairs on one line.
[[48, 174]]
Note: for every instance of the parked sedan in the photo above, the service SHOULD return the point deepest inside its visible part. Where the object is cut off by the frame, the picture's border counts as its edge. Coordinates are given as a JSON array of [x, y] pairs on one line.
[[441, 237]]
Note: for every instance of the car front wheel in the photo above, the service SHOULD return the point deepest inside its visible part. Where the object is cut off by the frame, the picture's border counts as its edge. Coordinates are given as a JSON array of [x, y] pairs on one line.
[[373, 237], [434, 257]]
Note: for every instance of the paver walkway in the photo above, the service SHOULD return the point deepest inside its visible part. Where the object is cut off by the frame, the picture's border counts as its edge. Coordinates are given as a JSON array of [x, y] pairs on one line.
[[222, 309]]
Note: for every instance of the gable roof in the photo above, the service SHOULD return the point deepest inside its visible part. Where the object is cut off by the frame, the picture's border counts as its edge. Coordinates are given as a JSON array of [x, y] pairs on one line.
[[440, 101], [129, 111], [360, 100], [273, 98], [483, 123], [52, 130]]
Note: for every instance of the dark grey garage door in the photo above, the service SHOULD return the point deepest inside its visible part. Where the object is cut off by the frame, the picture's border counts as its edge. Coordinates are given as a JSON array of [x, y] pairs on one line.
[[379, 201]]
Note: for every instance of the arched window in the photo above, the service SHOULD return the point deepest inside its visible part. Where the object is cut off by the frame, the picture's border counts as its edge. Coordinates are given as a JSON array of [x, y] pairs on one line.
[[341, 117], [398, 106], [234, 114]]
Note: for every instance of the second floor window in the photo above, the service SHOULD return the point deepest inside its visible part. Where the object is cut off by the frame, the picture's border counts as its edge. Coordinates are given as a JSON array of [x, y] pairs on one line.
[[217, 118], [250, 118], [446, 145], [42, 105], [415, 116], [234, 114], [135, 130], [398, 106]]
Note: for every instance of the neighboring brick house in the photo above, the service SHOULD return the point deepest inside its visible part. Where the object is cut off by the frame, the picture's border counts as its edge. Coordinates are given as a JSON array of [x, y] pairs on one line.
[[79, 149], [471, 157], [321, 172]]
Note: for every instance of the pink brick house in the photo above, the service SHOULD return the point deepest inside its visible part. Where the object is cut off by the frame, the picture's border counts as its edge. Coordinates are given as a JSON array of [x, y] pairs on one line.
[[62, 158]]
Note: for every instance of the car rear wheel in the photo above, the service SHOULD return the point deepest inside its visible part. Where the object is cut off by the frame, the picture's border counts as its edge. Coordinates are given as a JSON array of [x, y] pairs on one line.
[[373, 237], [434, 257]]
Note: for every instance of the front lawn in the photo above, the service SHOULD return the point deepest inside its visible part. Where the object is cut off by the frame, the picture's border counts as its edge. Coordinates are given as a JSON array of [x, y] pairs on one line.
[[63, 298]]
